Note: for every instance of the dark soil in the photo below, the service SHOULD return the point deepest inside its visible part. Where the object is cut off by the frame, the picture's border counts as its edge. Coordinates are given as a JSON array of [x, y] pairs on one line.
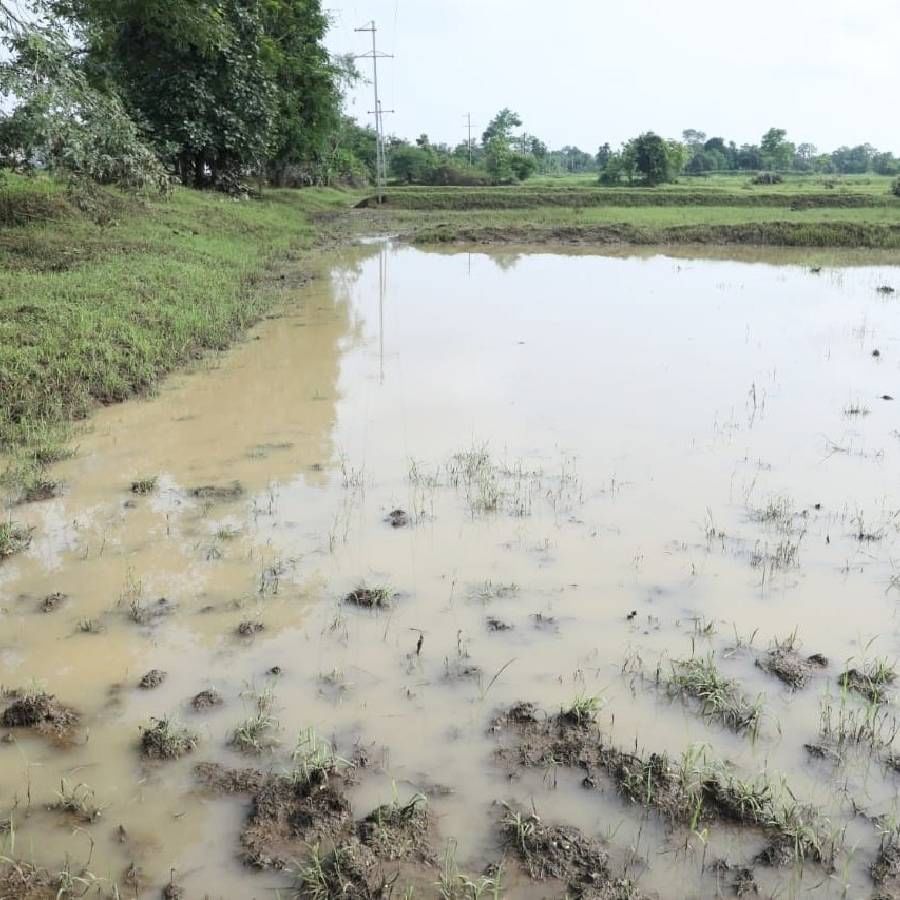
[[397, 518], [288, 816], [164, 740], [532, 739], [152, 679], [53, 601], [42, 489], [874, 689], [790, 667], [218, 493], [349, 872], [40, 711], [886, 868], [395, 832], [369, 598], [23, 881], [206, 700], [223, 780], [563, 853]]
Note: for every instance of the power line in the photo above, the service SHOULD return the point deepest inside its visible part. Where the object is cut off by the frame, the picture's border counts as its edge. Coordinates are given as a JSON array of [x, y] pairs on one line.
[[469, 120], [378, 112]]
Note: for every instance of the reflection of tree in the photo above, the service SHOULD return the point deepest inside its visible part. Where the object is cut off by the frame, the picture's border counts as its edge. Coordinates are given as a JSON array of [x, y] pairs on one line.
[[505, 260]]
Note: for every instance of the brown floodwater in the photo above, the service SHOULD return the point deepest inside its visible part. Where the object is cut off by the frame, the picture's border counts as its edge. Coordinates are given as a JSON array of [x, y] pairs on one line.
[[700, 442]]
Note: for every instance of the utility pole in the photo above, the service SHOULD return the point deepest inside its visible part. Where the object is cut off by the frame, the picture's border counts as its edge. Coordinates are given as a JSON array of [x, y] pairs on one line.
[[378, 112], [469, 119]]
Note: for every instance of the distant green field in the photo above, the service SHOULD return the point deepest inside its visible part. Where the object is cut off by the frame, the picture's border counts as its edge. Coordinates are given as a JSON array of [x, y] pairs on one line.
[[869, 191], [792, 184]]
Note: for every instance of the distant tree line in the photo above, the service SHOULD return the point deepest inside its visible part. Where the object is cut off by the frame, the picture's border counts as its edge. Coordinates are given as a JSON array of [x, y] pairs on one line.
[[144, 93], [650, 159]]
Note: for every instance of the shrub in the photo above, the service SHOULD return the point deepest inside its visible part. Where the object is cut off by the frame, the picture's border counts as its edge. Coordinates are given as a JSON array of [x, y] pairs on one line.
[[895, 187]]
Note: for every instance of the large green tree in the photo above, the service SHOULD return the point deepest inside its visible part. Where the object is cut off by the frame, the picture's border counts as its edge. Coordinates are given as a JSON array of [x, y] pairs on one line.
[[223, 87]]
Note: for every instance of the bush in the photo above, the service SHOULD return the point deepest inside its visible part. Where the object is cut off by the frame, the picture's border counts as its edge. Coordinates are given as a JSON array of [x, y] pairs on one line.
[[767, 178], [895, 187], [450, 175]]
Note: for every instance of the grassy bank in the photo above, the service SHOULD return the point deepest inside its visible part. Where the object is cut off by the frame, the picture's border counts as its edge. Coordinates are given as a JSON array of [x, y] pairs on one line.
[[763, 234], [101, 294], [849, 213]]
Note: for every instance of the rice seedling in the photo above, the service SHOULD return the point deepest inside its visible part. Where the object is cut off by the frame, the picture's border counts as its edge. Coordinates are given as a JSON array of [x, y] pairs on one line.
[[452, 884], [314, 759], [872, 680], [253, 735], [719, 696], [583, 710], [78, 801], [14, 538]]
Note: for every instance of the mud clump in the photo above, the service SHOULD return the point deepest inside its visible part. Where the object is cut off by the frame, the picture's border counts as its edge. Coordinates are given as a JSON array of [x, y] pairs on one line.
[[24, 881], [223, 780], [399, 832], [873, 682], [52, 602], [790, 667], [206, 700], [886, 868], [40, 711], [397, 518], [163, 740], [350, 871], [144, 486], [152, 679], [289, 815], [370, 598], [218, 493], [563, 853]]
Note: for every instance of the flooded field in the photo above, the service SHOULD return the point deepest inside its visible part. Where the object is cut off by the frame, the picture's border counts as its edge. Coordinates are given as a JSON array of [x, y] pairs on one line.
[[496, 542]]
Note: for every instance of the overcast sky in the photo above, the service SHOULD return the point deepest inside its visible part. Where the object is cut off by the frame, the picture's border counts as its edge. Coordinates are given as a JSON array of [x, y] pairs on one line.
[[587, 71]]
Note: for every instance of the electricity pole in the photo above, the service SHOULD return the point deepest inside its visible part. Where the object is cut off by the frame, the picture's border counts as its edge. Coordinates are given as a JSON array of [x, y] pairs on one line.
[[469, 119], [380, 156]]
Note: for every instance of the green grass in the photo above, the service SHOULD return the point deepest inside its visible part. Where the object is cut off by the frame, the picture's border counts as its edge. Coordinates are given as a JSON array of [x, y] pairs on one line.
[[850, 212], [102, 296]]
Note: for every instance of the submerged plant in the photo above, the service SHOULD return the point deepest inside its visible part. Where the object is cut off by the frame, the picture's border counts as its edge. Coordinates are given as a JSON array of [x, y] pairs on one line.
[[14, 538], [720, 697]]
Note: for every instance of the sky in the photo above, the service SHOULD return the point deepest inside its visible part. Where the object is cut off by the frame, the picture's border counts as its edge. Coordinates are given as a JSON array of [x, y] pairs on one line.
[[584, 72]]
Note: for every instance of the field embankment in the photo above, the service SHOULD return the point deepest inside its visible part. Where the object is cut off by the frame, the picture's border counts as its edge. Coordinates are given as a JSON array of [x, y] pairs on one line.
[[860, 215], [102, 294], [581, 198]]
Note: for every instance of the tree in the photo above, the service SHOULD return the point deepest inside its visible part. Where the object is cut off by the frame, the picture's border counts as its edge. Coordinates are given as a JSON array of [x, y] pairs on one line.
[[885, 164], [776, 151], [501, 126], [223, 88], [66, 123], [694, 139], [412, 164], [652, 159], [603, 155], [498, 160]]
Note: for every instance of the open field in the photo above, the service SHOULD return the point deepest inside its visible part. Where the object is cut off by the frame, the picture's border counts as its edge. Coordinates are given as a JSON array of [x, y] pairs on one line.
[[860, 214], [552, 606], [510, 571]]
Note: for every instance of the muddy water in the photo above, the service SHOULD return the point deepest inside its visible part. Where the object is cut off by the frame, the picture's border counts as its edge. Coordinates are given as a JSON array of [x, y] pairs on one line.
[[634, 418]]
